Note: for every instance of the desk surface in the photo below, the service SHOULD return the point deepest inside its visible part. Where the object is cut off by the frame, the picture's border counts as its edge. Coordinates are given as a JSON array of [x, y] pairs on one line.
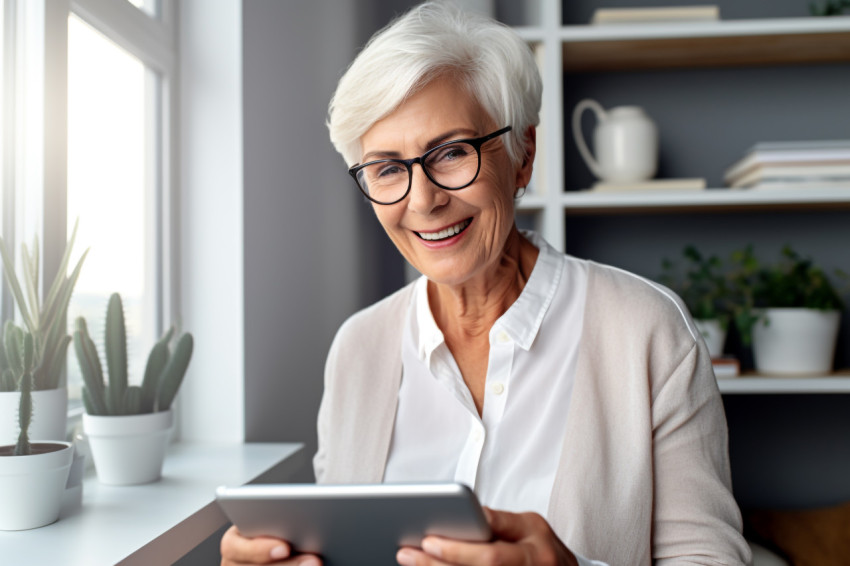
[[148, 524]]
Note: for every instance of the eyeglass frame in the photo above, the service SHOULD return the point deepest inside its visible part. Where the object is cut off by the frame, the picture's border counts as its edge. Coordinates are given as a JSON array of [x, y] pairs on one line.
[[408, 163]]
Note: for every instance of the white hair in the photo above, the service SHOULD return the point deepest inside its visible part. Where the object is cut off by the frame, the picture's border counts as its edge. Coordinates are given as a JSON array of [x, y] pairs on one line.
[[432, 40]]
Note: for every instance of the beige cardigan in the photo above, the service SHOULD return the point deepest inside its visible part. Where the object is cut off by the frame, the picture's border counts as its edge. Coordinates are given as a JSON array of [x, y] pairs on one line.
[[644, 472]]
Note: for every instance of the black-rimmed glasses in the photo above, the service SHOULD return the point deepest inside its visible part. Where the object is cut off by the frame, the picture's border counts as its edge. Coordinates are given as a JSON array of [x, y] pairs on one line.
[[451, 165]]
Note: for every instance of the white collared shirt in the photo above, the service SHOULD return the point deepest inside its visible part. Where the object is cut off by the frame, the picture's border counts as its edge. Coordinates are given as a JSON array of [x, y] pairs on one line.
[[509, 456]]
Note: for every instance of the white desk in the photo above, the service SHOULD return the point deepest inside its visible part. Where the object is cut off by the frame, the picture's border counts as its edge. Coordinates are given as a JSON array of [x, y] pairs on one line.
[[150, 524]]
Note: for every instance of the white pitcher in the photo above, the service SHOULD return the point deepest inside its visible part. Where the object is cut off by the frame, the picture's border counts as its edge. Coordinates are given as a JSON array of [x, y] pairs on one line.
[[625, 142]]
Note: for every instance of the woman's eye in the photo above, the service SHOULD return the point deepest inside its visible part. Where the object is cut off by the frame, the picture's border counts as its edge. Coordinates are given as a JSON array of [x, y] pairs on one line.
[[452, 153], [389, 170]]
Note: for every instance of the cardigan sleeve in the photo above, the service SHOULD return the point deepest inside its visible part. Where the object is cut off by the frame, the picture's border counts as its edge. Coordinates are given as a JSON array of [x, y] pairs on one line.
[[696, 519]]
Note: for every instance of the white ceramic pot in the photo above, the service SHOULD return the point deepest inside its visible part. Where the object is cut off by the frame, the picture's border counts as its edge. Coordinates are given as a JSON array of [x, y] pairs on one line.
[[128, 450], [31, 487], [714, 335], [49, 415], [798, 342]]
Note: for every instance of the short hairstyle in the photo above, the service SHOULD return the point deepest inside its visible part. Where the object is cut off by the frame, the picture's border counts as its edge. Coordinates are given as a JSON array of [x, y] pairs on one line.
[[432, 40]]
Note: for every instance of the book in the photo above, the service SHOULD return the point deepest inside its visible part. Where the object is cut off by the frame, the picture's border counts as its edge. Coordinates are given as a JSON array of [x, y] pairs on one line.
[[798, 145], [799, 173], [796, 157], [655, 14], [686, 184], [726, 367], [800, 185]]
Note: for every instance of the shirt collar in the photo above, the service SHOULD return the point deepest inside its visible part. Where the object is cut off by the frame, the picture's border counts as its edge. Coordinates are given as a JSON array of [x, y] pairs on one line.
[[522, 320]]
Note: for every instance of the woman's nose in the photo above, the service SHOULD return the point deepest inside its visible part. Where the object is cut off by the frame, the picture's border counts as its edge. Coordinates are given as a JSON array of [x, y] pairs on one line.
[[424, 195]]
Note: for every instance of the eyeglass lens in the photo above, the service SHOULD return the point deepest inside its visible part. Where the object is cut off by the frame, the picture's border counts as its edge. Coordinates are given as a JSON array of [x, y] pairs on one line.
[[452, 167]]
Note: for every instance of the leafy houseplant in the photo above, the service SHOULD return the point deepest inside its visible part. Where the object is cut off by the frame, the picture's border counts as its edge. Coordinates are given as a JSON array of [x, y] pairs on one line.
[[32, 476], [45, 322], [128, 425], [703, 287], [789, 312], [793, 282]]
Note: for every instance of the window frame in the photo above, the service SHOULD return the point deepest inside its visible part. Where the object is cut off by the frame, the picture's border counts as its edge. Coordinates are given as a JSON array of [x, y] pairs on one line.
[[39, 162]]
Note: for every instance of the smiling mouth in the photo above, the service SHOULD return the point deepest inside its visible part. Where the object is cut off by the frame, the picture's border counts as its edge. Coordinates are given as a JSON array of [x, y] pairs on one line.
[[445, 233]]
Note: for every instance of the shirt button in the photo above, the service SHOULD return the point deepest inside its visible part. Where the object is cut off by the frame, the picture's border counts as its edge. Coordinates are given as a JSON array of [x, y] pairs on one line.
[[503, 337], [497, 388], [477, 435]]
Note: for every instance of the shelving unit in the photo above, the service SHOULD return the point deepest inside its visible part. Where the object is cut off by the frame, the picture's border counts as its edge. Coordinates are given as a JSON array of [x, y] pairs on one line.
[[575, 50]]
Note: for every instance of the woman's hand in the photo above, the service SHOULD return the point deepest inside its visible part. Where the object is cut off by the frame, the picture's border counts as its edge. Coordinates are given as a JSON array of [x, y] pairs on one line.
[[521, 539], [237, 550]]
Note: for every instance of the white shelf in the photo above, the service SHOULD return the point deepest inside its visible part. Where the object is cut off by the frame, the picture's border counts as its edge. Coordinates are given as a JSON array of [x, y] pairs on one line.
[[708, 199], [752, 384], [708, 29], [148, 524]]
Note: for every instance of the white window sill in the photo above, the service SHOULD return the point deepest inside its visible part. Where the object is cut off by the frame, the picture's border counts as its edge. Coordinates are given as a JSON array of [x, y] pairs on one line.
[[155, 523]]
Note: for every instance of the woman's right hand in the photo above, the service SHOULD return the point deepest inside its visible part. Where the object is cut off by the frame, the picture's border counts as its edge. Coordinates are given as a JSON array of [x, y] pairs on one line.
[[237, 550]]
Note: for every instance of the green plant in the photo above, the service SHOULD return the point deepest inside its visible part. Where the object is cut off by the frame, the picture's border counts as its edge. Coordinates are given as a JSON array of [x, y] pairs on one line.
[[44, 320], [830, 8], [792, 282], [163, 373], [700, 283]]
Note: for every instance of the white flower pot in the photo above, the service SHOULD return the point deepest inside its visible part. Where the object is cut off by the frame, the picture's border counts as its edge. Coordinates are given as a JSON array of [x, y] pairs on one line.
[[128, 450], [31, 487], [789, 341], [714, 335], [49, 415]]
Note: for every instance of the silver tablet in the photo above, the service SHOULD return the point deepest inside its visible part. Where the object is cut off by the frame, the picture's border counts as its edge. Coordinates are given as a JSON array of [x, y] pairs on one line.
[[355, 524]]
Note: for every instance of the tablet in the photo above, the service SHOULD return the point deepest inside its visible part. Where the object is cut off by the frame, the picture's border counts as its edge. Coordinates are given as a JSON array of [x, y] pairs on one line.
[[355, 524]]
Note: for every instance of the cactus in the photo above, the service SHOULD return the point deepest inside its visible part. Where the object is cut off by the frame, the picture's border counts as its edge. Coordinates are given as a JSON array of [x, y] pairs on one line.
[[23, 448], [163, 373], [45, 320]]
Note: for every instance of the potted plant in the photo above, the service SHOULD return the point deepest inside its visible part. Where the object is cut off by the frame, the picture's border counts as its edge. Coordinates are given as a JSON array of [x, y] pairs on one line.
[[789, 312], [46, 322], [127, 425], [32, 474], [703, 287]]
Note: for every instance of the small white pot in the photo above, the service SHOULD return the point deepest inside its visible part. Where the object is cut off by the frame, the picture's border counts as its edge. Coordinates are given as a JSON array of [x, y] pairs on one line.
[[49, 415], [714, 335], [789, 341], [128, 450], [31, 487]]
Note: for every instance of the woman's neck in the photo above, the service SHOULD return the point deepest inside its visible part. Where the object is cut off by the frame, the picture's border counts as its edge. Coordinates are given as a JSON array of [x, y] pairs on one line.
[[469, 310]]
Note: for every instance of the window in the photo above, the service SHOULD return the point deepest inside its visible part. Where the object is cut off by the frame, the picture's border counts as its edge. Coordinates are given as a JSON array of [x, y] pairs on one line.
[[92, 146]]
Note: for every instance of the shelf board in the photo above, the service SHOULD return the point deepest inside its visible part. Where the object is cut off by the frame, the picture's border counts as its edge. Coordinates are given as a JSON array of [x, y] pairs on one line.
[[706, 44], [756, 384], [708, 200]]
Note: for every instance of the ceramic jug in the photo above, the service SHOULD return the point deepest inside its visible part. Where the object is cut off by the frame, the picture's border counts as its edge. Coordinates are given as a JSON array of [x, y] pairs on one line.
[[625, 143]]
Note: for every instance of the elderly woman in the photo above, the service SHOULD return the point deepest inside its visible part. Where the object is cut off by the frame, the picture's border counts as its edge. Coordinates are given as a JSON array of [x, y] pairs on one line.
[[576, 399]]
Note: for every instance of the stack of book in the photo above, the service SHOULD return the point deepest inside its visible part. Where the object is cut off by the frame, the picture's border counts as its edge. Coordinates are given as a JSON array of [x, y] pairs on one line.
[[792, 165]]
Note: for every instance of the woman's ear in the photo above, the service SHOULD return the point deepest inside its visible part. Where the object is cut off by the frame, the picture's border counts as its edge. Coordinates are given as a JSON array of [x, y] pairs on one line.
[[523, 174]]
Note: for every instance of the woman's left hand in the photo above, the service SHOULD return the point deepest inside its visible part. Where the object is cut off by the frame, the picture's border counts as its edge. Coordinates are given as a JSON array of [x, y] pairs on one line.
[[519, 538]]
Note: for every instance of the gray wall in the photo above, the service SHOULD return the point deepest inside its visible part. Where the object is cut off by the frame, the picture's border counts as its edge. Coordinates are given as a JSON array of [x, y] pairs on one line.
[[314, 253]]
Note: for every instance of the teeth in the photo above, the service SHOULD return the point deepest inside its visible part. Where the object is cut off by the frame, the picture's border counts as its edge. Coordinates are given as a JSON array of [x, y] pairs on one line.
[[447, 233]]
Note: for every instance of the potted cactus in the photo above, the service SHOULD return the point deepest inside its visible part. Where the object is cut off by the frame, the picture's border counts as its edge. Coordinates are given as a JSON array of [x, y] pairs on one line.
[[128, 425], [45, 321], [32, 473]]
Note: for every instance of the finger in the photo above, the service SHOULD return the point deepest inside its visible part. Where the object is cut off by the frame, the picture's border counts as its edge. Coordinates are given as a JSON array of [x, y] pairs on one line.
[[516, 526], [461, 553], [407, 556], [237, 549]]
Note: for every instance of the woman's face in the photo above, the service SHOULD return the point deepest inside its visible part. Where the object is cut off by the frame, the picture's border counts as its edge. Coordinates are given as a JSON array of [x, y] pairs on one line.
[[483, 211]]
